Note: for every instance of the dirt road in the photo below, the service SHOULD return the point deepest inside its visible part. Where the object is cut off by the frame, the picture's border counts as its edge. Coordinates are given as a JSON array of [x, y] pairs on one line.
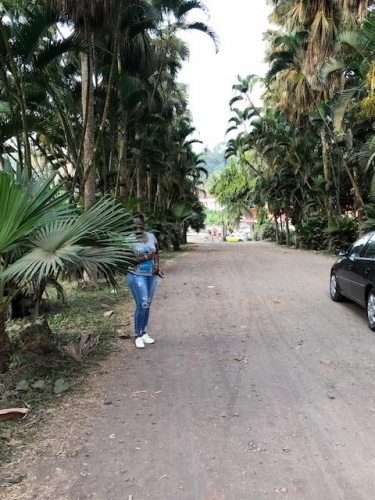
[[258, 387]]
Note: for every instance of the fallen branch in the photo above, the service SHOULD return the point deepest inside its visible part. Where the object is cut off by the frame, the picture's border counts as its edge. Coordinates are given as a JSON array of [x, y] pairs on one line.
[[12, 413]]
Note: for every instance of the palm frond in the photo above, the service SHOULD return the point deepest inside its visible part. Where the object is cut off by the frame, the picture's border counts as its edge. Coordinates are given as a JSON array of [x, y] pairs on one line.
[[331, 65], [352, 39], [203, 28], [56, 48], [235, 99], [367, 154], [339, 108], [21, 209], [81, 346], [95, 237], [367, 35]]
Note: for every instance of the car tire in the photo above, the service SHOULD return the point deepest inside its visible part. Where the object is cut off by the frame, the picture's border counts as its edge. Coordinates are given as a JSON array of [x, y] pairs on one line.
[[334, 289], [371, 309]]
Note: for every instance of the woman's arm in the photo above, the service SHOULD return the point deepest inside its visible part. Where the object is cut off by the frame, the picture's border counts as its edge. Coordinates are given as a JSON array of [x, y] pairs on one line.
[[156, 258]]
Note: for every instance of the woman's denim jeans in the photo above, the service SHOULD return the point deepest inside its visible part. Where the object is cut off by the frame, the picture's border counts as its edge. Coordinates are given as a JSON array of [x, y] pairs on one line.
[[143, 289]]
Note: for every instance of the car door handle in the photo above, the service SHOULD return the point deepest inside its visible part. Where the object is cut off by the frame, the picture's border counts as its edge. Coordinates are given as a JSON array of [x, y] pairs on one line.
[[367, 270], [350, 267]]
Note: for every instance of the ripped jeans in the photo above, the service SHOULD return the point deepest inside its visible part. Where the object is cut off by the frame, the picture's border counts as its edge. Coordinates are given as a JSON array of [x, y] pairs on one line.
[[142, 289]]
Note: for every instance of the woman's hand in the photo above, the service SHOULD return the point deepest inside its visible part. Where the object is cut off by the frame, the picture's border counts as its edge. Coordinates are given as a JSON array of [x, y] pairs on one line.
[[145, 257], [149, 256]]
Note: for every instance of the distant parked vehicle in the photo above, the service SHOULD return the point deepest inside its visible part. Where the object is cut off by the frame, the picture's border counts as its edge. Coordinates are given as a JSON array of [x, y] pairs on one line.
[[237, 237]]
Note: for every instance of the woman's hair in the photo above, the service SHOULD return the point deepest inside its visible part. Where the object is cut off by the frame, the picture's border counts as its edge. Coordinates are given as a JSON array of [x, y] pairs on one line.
[[138, 220]]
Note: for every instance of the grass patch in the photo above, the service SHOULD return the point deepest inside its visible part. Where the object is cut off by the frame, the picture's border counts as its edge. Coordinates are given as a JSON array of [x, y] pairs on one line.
[[40, 372]]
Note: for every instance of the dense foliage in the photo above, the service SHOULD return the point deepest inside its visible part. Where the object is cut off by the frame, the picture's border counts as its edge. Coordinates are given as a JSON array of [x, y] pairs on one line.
[[90, 89], [94, 126], [307, 153]]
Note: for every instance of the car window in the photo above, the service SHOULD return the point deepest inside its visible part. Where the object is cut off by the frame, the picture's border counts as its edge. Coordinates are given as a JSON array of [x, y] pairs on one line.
[[356, 248], [369, 250]]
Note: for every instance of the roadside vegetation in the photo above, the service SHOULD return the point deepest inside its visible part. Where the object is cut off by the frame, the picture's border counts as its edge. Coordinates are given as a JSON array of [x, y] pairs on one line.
[[305, 153]]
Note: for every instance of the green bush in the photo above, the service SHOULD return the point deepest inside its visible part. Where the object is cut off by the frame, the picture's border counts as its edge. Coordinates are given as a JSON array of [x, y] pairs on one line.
[[312, 232], [268, 231], [213, 218], [282, 237], [343, 233], [367, 223]]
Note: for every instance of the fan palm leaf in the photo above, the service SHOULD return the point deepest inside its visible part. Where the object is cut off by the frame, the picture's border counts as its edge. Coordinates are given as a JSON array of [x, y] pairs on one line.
[[22, 208]]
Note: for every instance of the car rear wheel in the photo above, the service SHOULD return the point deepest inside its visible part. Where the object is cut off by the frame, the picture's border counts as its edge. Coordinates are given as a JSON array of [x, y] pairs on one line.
[[371, 309], [334, 289]]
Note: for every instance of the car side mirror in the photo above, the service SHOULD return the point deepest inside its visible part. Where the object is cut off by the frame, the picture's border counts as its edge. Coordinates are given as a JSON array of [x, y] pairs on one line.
[[341, 252]]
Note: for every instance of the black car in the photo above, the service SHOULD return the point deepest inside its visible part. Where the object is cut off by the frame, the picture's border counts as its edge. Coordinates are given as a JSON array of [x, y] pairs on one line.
[[353, 275]]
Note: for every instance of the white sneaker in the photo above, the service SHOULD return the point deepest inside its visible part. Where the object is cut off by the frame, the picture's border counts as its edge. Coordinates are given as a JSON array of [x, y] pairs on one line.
[[147, 339], [139, 342]]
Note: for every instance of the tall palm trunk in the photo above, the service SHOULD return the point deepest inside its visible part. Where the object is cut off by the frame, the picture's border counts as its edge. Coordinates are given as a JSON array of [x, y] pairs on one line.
[[287, 231], [140, 183], [277, 232], [123, 172], [140, 175], [327, 175], [89, 172], [358, 199], [150, 186]]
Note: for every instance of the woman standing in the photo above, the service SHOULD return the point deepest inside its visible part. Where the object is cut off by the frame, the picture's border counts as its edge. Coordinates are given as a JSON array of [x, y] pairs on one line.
[[142, 278]]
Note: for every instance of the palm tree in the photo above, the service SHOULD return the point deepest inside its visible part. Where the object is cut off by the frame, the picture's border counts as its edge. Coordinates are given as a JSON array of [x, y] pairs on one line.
[[39, 236], [319, 22], [323, 19], [167, 99], [233, 189], [289, 77], [126, 65], [29, 60], [353, 107], [174, 18], [89, 16]]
